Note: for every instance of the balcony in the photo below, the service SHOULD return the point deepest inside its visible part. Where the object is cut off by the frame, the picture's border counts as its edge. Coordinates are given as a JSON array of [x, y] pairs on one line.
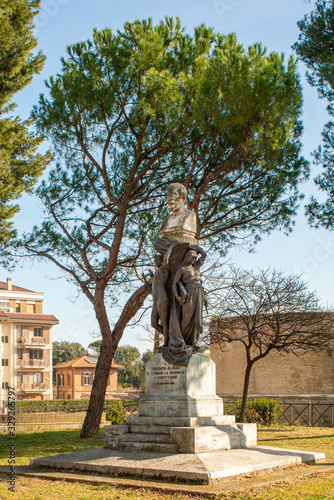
[[35, 387], [39, 340], [32, 363], [32, 341]]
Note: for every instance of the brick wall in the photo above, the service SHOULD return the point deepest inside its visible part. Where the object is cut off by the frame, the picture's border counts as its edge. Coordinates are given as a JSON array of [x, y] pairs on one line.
[[284, 374]]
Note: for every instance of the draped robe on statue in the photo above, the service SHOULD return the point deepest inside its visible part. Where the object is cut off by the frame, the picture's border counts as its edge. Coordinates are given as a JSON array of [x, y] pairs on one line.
[[185, 321]]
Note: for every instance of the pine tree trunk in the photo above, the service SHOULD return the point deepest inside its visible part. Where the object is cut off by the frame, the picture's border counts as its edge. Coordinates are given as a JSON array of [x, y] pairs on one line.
[[110, 341], [92, 420]]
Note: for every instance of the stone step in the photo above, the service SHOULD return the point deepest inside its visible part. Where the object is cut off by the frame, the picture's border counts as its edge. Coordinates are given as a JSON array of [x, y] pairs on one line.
[[136, 437], [149, 429], [148, 447], [181, 421]]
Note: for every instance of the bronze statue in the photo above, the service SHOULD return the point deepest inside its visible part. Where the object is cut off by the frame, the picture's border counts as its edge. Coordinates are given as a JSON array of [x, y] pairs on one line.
[[159, 316], [188, 280], [177, 290]]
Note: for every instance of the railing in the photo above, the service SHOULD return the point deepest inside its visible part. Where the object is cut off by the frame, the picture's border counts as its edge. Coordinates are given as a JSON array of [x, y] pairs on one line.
[[33, 340], [40, 386], [37, 363], [36, 386], [311, 413], [131, 406], [38, 340]]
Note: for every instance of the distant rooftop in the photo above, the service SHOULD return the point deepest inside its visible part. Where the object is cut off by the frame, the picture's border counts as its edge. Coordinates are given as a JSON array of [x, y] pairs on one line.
[[84, 361], [47, 318], [91, 360], [4, 286]]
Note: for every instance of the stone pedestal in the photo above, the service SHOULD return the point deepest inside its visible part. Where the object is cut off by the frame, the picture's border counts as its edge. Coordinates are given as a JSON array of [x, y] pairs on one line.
[[179, 391], [180, 413]]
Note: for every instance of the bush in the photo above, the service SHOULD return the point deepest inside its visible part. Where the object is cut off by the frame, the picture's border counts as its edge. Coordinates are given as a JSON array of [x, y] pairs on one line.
[[115, 411], [262, 411]]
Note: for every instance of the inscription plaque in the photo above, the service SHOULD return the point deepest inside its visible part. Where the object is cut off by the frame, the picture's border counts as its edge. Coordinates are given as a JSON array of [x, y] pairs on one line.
[[165, 375]]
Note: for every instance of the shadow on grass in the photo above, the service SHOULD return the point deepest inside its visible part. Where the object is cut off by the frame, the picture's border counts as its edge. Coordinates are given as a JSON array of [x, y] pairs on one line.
[[298, 438], [40, 444]]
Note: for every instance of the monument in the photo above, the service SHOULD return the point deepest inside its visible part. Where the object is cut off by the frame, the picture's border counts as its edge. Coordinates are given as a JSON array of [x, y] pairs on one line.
[[180, 411], [181, 432]]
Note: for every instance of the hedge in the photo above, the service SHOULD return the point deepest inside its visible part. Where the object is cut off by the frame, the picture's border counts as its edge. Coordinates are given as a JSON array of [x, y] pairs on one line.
[[116, 410]]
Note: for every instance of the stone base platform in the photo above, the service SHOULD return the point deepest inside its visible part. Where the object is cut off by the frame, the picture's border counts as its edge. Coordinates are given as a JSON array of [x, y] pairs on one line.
[[200, 468], [180, 413], [179, 434]]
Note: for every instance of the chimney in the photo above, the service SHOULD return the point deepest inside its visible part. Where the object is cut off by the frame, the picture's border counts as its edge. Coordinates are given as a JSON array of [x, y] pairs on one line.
[[9, 284]]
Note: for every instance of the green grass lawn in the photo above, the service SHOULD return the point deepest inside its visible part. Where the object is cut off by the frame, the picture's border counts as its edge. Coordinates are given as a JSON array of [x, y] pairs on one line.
[[314, 487], [41, 444], [299, 438]]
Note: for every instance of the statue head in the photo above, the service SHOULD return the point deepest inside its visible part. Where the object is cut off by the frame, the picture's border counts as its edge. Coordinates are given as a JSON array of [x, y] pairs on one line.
[[190, 257], [176, 198]]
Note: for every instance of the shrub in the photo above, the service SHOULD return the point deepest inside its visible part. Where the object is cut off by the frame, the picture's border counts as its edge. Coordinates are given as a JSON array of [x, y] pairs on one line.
[[115, 411], [261, 411]]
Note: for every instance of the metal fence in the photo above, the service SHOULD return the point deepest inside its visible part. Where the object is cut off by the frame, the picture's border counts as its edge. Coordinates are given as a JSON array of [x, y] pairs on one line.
[[312, 412], [308, 413]]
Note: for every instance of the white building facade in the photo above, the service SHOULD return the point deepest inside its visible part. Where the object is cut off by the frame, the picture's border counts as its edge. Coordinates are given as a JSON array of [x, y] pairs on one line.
[[25, 344]]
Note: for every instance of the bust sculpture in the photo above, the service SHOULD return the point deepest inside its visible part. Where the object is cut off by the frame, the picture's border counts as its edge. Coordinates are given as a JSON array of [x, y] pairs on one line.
[[181, 224], [178, 295]]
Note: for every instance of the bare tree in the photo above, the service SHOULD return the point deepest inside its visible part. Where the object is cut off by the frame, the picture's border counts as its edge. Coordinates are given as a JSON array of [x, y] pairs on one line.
[[265, 311]]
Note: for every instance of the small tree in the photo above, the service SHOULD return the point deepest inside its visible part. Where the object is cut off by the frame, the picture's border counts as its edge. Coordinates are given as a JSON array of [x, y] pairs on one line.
[[65, 351], [130, 358], [146, 356], [95, 347], [268, 311]]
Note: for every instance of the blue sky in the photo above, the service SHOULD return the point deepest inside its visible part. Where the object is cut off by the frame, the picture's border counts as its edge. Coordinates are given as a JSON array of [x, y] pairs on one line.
[[271, 22]]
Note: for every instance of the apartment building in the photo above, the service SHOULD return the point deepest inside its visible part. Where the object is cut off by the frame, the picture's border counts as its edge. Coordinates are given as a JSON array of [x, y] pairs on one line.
[[25, 343]]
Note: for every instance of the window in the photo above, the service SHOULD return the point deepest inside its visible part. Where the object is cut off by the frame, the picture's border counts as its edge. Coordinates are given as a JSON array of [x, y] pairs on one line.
[[4, 339], [38, 377], [60, 379], [17, 309], [4, 306], [86, 379], [4, 362], [20, 378], [5, 385], [38, 332], [68, 379], [36, 354], [19, 354], [19, 331]]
